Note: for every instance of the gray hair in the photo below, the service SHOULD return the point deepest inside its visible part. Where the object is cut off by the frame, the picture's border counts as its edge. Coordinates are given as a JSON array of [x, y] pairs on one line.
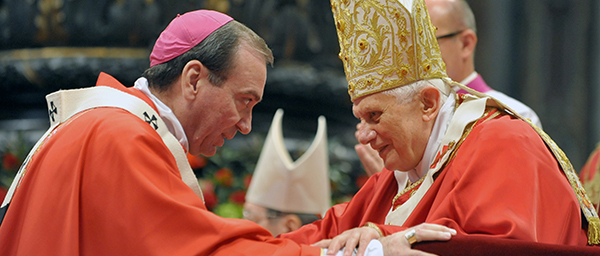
[[406, 94], [216, 52]]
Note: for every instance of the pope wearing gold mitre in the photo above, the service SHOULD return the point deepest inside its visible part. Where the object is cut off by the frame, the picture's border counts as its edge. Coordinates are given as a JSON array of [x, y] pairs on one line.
[[467, 162]]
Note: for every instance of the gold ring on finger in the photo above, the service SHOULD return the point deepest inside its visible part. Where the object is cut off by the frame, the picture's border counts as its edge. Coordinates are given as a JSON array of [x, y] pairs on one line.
[[411, 236]]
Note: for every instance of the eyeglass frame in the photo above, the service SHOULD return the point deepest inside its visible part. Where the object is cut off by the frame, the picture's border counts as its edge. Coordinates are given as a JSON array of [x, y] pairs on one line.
[[270, 214], [450, 35]]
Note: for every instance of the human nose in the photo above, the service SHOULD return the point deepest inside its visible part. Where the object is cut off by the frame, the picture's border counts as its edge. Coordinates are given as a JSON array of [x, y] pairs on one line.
[[364, 133], [245, 124]]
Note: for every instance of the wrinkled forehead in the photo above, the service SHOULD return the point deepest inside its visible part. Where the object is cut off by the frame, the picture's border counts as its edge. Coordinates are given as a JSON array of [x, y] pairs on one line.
[[367, 103], [356, 104]]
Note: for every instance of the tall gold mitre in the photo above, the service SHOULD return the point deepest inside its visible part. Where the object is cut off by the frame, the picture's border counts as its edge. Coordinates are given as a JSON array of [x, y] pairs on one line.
[[386, 44]]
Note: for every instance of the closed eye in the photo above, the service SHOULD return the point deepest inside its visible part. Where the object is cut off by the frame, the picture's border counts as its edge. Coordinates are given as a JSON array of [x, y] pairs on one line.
[[245, 103], [374, 116]]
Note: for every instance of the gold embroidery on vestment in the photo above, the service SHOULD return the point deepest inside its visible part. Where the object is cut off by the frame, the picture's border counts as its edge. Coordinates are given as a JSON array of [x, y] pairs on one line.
[[409, 186], [468, 130]]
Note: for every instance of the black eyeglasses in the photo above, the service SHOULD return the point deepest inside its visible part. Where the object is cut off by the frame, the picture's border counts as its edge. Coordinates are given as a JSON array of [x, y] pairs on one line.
[[449, 35]]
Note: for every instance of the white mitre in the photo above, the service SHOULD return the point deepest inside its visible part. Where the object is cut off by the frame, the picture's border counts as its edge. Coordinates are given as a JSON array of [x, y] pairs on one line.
[[280, 184]]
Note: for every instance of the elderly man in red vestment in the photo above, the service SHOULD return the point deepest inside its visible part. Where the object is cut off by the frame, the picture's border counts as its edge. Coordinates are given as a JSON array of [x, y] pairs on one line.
[[456, 35], [464, 161], [111, 176]]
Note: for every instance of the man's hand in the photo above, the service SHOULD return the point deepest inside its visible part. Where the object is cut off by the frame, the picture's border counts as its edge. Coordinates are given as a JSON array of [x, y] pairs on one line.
[[398, 243], [368, 156], [350, 239]]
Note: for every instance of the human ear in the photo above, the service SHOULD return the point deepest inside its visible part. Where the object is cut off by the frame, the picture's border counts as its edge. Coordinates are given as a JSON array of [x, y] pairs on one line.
[[292, 222], [430, 100], [193, 76], [469, 41]]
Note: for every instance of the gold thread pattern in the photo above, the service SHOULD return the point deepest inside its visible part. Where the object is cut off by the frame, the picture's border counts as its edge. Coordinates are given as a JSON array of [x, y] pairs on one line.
[[409, 186], [468, 130], [383, 45]]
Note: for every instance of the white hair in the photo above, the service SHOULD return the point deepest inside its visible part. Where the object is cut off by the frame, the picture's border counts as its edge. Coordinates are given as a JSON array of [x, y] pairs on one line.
[[406, 94]]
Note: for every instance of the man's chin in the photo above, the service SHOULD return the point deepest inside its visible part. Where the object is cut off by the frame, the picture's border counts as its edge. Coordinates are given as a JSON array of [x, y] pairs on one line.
[[388, 168], [208, 152], [390, 165]]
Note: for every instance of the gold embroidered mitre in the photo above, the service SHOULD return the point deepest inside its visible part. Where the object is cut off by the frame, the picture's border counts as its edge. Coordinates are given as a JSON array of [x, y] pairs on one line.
[[386, 44]]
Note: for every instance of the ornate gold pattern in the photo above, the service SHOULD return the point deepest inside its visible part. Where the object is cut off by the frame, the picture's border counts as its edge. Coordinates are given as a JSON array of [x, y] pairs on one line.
[[383, 45], [468, 130], [408, 187]]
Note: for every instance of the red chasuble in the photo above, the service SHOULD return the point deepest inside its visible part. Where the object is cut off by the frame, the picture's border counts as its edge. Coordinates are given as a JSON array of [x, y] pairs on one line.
[[104, 183], [490, 188]]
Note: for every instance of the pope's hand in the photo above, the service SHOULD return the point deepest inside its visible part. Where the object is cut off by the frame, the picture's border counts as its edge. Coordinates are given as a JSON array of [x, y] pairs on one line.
[[350, 239], [400, 243], [368, 156]]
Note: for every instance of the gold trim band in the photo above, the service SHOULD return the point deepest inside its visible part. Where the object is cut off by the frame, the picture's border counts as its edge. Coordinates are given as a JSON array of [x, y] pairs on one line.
[[372, 225]]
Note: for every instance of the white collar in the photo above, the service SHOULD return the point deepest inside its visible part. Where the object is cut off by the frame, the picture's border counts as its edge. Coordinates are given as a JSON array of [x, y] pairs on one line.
[[469, 78], [165, 113], [466, 81], [435, 139]]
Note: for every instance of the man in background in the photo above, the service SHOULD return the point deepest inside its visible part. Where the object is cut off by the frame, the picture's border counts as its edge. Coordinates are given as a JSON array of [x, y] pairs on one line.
[[457, 37], [285, 194]]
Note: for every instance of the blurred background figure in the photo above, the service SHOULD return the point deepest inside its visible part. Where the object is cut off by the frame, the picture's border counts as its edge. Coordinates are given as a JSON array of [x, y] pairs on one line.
[[457, 36], [285, 194]]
